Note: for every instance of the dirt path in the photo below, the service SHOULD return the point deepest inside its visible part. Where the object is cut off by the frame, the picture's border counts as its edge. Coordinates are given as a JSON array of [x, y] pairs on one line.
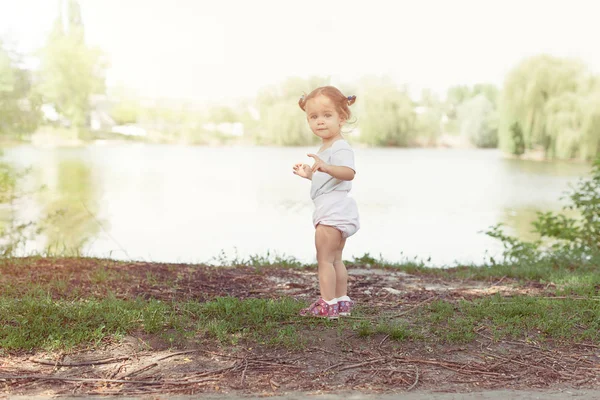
[[143, 365]]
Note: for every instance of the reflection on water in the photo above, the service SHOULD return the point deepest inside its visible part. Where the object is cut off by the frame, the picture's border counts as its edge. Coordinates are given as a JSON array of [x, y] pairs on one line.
[[175, 203], [70, 201]]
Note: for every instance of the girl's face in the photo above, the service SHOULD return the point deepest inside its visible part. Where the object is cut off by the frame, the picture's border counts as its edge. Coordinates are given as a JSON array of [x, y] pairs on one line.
[[323, 118]]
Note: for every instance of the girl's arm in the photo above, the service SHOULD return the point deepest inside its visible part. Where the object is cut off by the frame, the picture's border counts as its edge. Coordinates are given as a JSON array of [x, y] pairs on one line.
[[339, 172]]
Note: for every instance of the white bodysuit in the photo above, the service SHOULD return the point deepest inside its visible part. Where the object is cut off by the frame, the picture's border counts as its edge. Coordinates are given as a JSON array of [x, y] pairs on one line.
[[333, 205]]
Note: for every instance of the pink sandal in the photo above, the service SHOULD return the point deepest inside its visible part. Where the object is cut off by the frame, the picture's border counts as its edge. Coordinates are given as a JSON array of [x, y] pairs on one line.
[[321, 309], [345, 307]]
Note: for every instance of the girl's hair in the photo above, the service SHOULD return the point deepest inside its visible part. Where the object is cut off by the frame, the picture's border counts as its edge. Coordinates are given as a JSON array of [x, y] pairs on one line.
[[341, 102]]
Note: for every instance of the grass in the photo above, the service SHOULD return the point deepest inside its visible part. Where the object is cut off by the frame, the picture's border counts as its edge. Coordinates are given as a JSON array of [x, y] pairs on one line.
[[57, 315], [555, 270], [517, 317], [37, 321]]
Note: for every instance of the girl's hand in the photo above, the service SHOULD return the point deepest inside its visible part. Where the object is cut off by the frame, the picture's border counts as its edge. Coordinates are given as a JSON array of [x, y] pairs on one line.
[[303, 170], [319, 164]]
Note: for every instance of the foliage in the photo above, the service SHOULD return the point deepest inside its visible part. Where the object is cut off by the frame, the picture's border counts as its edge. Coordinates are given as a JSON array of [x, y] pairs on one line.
[[71, 71], [478, 121], [281, 121], [570, 238], [19, 104], [556, 103], [386, 114], [12, 233]]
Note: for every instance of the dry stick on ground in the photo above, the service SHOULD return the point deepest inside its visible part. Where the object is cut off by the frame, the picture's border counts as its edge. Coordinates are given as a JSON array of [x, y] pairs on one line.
[[208, 373], [116, 371], [333, 366], [178, 354], [66, 379], [416, 380], [372, 317], [244, 371], [504, 359], [275, 364], [324, 350], [384, 339], [278, 364], [456, 367], [80, 364], [363, 364], [511, 342], [139, 370], [155, 364], [413, 308], [544, 368], [587, 345], [391, 372], [142, 369], [500, 281]]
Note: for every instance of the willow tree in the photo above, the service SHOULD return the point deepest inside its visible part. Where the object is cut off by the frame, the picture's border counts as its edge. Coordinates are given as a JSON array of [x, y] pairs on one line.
[[554, 102], [386, 114], [589, 147], [281, 121]]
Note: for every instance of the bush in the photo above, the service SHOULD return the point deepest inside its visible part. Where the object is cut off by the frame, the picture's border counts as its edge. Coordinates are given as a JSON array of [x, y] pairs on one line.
[[572, 238]]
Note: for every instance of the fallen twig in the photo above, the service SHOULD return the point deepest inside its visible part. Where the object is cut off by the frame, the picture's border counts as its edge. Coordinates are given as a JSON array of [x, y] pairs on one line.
[[139, 371], [416, 380], [460, 368], [244, 371], [412, 308], [333, 366], [362, 364], [80, 364], [381, 343], [67, 379]]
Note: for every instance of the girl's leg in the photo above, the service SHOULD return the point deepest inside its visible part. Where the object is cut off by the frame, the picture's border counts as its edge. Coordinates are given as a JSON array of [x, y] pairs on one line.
[[327, 242], [341, 275]]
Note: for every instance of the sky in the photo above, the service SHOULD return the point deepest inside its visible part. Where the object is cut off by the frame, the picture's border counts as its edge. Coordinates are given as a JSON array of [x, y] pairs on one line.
[[214, 50]]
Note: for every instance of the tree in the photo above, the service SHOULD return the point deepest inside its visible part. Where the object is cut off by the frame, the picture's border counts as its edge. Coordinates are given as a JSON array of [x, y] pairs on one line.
[[386, 114], [281, 120], [478, 121], [458, 96], [517, 139], [491, 92], [7, 72], [19, 104], [555, 103], [70, 70]]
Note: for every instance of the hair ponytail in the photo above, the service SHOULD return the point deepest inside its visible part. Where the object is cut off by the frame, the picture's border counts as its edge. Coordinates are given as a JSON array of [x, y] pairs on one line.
[[351, 100], [302, 102]]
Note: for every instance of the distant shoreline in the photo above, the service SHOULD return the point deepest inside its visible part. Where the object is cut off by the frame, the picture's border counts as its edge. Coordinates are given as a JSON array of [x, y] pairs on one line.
[[55, 141]]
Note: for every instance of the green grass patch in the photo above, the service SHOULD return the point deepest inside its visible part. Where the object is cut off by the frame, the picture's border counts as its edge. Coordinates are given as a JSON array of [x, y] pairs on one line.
[[516, 317], [36, 321], [561, 271], [39, 322]]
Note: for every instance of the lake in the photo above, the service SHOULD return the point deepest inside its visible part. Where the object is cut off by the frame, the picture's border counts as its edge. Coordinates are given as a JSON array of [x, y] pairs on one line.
[[169, 203]]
